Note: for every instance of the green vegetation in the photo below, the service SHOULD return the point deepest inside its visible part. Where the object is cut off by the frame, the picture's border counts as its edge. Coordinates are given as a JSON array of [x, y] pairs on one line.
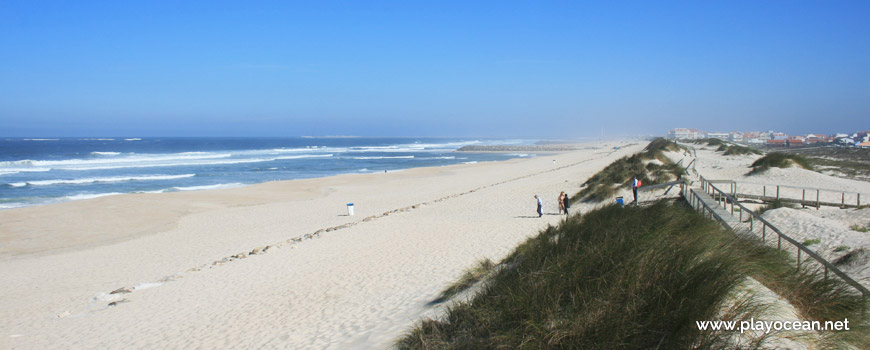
[[773, 205], [636, 278], [710, 142], [469, 278], [779, 160], [618, 174], [737, 150], [810, 242], [847, 162], [859, 228], [841, 248]]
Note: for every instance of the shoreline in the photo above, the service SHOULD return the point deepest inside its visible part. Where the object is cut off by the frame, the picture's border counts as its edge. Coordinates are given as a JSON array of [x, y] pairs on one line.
[[358, 285]]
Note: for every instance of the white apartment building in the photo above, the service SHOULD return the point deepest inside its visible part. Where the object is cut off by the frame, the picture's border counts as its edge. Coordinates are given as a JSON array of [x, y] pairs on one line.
[[718, 135], [684, 134]]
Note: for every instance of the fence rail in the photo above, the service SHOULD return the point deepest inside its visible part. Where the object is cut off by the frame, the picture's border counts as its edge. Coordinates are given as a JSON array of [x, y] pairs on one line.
[[805, 196], [727, 198]]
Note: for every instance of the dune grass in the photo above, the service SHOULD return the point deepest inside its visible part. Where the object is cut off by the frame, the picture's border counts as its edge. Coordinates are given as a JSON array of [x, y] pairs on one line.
[[710, 142], [619, 174], [738, 150], [468, 279], [776, 204], [779, 160], [636, 278]]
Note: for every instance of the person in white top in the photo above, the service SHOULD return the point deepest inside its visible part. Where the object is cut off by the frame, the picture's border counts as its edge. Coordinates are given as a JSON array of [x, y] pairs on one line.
[[634, 185], [540, 206]]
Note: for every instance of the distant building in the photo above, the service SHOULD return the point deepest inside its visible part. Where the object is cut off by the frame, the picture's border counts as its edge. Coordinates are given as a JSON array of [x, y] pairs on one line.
[[735, 137], [718, 135], [684, 134], [846, 141], [816, 138], [778, 136], [863, 145], [756, 137], [777, 143]]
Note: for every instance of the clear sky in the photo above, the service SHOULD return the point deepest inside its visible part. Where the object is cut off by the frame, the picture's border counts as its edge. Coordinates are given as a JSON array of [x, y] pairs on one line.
[[439, 68]]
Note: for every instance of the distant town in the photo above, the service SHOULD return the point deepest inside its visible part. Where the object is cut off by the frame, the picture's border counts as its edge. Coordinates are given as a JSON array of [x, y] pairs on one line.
[[776, 139]]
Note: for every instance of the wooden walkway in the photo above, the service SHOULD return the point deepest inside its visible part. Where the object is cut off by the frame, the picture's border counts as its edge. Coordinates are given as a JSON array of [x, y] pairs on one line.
[[713, 208]]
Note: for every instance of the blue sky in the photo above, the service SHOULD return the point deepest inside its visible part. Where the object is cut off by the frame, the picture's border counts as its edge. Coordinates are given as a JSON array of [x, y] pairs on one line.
[[442, 68]]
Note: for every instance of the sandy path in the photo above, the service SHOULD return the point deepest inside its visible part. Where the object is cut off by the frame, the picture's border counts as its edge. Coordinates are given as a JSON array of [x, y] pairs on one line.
[[360, 286]]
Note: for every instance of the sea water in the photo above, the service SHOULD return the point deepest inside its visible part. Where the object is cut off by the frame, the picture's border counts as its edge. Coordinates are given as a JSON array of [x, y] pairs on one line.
[[52, 170]]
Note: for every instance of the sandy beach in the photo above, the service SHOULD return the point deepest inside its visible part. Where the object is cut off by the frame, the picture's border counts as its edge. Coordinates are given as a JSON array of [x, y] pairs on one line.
[[319, 279]]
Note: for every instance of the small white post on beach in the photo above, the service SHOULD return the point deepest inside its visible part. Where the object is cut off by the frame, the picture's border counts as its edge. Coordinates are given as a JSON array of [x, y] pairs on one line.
[[349, 209]]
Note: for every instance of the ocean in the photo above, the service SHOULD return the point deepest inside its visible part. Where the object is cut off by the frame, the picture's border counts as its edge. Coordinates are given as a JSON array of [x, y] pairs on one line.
[[51, 170]]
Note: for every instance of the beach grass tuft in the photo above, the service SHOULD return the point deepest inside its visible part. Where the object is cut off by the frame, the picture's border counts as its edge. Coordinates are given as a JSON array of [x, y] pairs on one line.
[[634, 277], [710, 142], [775, 204], [738, 150], [468, 279], [809, 242], [779, 160]]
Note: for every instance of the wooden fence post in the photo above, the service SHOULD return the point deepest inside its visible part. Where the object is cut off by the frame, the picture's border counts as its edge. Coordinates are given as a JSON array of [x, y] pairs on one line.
[[777, 191], [799, 258]]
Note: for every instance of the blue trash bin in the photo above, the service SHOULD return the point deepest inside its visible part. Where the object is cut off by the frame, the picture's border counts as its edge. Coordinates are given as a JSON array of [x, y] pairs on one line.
[[619, 201]]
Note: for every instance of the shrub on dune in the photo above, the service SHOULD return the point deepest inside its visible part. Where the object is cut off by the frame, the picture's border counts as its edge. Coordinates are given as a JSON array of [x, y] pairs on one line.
[[779, 160]]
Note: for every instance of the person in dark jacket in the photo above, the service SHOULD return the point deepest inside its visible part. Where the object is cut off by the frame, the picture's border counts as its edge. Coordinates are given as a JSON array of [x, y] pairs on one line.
[[566, 202]]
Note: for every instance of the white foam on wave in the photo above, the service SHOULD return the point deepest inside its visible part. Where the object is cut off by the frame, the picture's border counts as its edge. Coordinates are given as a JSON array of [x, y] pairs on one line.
[[145, 161], [209, 187], [127, 160], [385, 157], [469, 162], [304, 156], [133, 139], [101, 179], [13, 171], [12, 205], [83, 196], [105, 153], [41, 139]]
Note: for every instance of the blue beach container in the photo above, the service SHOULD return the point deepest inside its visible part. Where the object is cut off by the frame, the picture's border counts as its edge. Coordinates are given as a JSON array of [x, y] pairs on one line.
[[619, 201]]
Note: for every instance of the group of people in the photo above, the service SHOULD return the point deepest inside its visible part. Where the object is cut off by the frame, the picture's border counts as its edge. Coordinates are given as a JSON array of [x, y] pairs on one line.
[[563, 200]]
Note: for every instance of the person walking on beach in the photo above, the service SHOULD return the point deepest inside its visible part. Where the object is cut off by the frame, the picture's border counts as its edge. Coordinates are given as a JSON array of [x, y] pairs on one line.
[[540, 206], [566, 202], [635, 183], [561, 202]]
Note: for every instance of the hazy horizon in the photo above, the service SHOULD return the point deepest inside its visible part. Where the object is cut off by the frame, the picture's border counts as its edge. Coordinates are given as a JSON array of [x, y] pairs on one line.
[[554, 70]]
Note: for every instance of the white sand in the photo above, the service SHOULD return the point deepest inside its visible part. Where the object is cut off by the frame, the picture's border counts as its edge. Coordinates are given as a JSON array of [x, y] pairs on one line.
[[359, 286]]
